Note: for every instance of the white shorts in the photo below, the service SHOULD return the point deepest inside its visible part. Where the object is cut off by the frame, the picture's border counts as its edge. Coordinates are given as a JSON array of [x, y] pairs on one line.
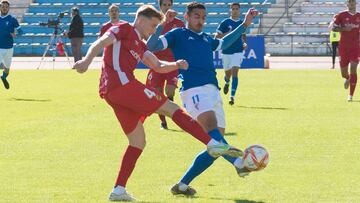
[[198, 100], [232, 60], [6, 56]]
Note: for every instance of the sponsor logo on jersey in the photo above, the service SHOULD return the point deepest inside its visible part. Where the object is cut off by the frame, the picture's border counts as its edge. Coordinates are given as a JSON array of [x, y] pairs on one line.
[[205, 39], [135, 55], [352, 25]]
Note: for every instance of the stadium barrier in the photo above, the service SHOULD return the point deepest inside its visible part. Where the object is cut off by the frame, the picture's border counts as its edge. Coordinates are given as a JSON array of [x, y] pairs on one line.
[[254, 54]]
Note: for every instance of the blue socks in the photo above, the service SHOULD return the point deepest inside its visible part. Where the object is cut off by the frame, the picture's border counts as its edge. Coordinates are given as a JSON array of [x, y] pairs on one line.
[[234, 85], [227, 80], [200, 164], [203, 160], [216, 135], [4, 75]]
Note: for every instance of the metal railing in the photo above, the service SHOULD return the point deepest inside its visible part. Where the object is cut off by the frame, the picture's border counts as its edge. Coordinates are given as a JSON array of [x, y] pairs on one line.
[[287, 6], [311, 45]]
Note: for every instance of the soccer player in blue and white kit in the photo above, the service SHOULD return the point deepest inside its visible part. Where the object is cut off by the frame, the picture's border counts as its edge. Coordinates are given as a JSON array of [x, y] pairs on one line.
[[199, 92], [233, 56], [8, 24]]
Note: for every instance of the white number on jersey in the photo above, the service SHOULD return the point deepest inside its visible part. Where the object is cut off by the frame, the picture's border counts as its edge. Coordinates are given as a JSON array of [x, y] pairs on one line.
[[149, 93]]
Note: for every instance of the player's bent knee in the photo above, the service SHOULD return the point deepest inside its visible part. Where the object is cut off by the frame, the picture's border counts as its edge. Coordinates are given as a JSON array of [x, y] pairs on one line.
[[353, 68], [137, 143], [137, 137], [6, 70], [170, 90], [235, 71], [208, 120], [168, 108], [344, 73], [170, 96]]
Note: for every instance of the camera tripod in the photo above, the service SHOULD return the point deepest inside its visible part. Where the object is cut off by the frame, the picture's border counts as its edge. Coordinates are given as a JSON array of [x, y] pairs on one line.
[[52, 45]]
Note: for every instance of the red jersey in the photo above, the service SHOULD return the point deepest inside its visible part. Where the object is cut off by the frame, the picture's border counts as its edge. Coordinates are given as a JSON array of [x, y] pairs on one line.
[[108, 25], [166, 55], [120, 58], [346, 19]]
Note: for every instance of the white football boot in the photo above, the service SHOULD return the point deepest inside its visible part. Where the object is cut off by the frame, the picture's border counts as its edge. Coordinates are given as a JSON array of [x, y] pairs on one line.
[[220, 149], [119, 194]]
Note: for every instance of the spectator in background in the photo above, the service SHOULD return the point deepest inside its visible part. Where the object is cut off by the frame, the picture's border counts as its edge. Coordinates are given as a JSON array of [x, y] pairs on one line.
[[334, 40], [114, 13], [76, 33]]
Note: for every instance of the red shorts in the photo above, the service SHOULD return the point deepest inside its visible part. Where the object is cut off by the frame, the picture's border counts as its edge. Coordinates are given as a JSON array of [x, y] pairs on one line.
[[132, 102], [157, 80], [347, 55]]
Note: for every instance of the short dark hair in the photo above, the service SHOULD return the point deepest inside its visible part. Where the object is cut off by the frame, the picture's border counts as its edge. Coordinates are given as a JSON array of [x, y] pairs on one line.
[[235, 4], [75, 9], [161, 1], [194, 5], [149, 11], [5, 2]]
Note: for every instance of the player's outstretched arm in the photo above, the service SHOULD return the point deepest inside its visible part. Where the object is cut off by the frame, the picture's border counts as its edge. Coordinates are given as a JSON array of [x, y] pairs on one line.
[[104, 41], [230, 38], [219, 35], [154, 42], [336, 28], [150, 60]]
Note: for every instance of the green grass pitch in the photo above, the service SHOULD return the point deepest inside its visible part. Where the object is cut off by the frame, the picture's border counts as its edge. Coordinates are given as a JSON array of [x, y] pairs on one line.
[[59, 142]]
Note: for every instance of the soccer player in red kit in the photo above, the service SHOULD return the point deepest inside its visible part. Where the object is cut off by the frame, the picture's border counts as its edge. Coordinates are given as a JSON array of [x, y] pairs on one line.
[[131, 100], [114, 13], [157, 80], [348, 23]]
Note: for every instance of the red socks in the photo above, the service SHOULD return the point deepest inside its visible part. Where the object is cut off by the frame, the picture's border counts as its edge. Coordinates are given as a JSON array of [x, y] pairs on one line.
[[185, 122], [127, 165], [353, 81]]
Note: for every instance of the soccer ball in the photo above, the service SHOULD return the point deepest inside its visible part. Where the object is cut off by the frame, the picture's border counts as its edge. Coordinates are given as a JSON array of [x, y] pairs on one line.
[[255, 158]]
